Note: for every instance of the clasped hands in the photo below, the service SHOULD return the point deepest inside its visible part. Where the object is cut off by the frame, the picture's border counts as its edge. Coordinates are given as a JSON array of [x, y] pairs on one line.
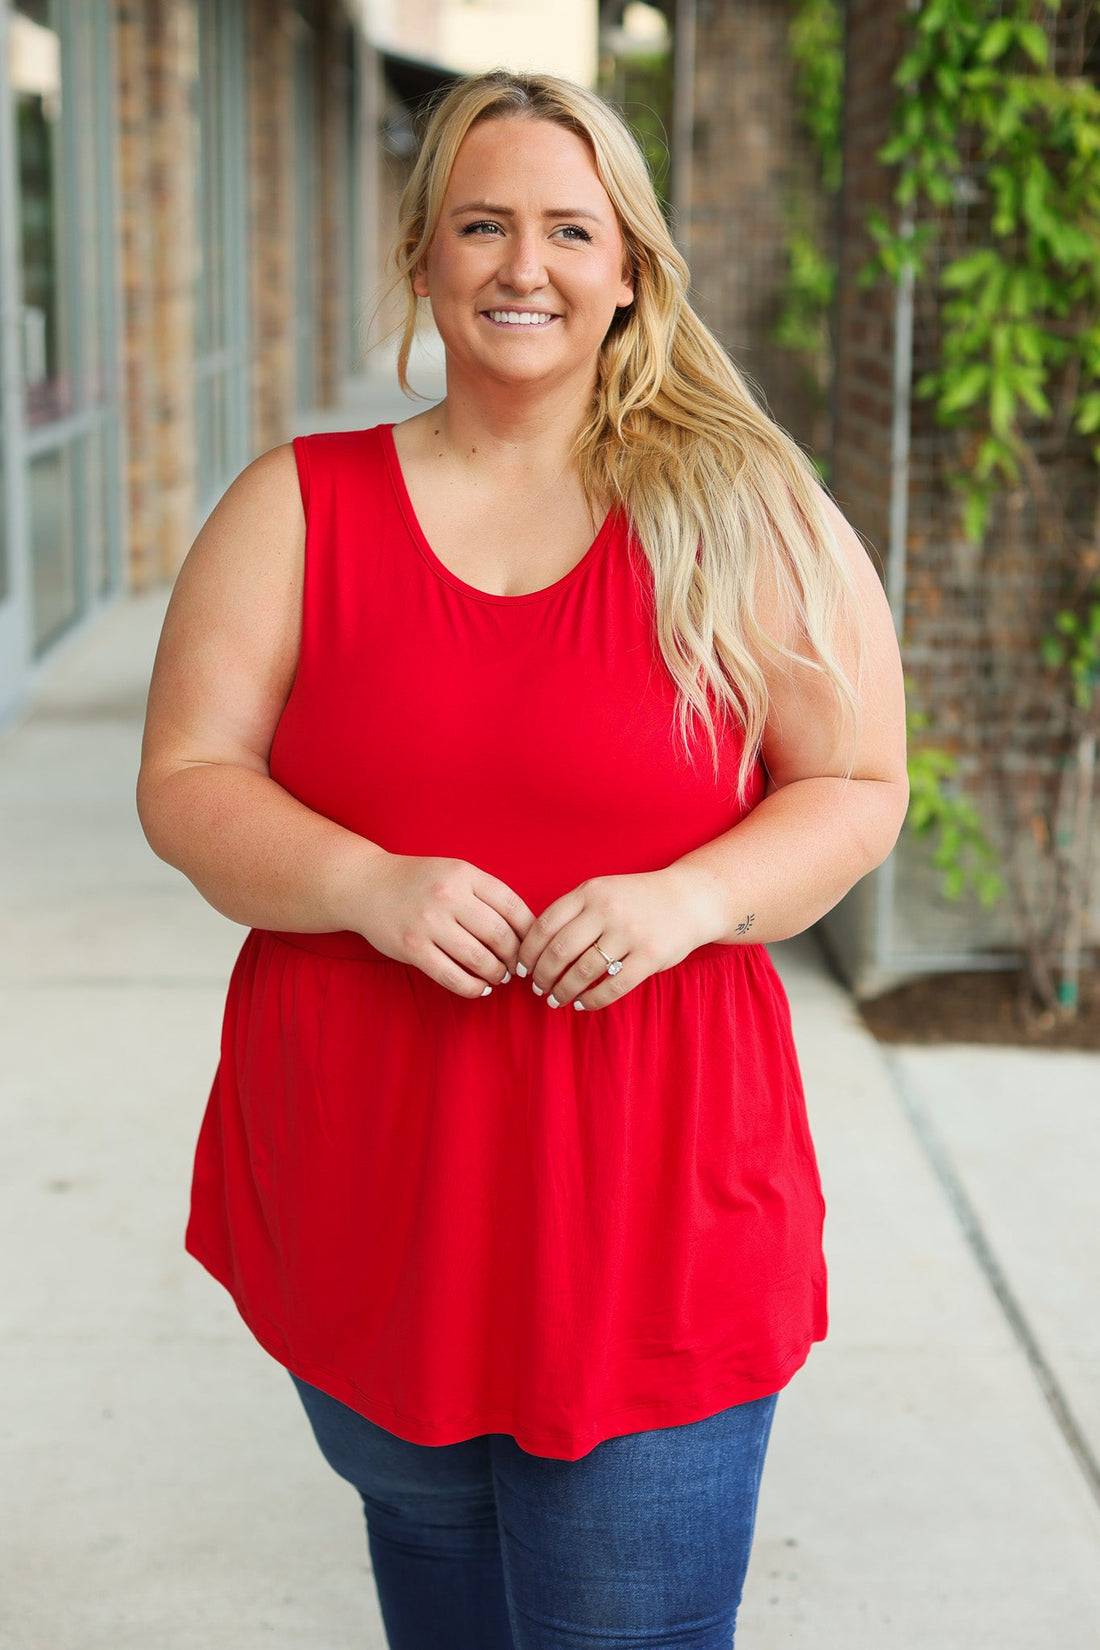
[[468, 930]]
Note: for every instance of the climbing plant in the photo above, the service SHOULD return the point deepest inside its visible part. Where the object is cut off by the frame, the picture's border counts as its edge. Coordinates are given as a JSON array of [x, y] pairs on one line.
[[984, 118], [816, 44], [939, 811]]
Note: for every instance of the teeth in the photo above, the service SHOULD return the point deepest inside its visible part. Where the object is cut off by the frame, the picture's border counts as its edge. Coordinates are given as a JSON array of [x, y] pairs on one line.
[[520, 318]]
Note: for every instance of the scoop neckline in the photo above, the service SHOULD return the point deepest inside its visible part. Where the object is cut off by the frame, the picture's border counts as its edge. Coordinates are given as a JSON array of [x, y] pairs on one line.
[[419, 538]]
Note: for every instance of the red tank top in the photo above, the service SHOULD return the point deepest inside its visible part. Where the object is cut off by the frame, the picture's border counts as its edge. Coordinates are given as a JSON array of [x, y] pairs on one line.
[[462, 1216]]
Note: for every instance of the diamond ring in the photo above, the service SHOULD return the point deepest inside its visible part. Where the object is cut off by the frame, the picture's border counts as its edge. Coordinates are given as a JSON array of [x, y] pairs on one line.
[[613, 965]]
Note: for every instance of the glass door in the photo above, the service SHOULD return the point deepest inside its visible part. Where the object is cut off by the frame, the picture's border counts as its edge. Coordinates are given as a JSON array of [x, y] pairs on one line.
[[14, 643]]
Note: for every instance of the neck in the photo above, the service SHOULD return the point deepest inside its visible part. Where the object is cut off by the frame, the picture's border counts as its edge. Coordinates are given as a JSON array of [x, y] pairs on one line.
[[521, 428]]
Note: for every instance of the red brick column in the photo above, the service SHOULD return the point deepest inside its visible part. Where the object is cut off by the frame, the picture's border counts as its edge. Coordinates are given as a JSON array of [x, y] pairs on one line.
[[135, 265], [157, 66], [271, 197]]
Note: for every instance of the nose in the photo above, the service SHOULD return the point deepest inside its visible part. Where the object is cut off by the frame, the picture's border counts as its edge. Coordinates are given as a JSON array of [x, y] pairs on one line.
[[523, 268]]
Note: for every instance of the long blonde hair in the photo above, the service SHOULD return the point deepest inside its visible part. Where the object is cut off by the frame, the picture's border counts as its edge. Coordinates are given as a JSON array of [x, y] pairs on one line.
[[718, 495]]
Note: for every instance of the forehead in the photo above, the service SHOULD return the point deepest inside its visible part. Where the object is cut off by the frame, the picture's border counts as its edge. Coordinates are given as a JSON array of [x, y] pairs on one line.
[[526, 154]]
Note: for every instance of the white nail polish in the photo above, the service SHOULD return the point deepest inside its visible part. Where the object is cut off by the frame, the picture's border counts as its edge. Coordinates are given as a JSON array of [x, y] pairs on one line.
[[521, 971], [537, 989], [553, 1001], [487, 990], [578, 1005], [507, 977]]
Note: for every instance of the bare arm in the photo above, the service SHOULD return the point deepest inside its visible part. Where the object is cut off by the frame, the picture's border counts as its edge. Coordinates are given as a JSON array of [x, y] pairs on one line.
[[207, 802], [813, 836], [223, 671]]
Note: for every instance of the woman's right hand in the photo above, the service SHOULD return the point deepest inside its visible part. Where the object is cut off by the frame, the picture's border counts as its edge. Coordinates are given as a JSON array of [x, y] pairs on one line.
[[455, 922]]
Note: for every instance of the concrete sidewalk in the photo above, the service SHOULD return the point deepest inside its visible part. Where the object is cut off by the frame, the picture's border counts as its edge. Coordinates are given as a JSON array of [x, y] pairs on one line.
[[928, 1478]]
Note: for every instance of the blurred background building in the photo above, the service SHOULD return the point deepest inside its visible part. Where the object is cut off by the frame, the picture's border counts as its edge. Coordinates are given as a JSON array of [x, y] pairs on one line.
[[197, 199]]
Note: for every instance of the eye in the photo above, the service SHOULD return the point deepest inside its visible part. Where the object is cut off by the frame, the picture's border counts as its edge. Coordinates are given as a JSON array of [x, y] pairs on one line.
[[575, 232], [476, 228]]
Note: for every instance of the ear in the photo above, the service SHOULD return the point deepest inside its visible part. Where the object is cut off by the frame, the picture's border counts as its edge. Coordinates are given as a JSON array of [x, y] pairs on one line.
[[420, 281], [626, 290]]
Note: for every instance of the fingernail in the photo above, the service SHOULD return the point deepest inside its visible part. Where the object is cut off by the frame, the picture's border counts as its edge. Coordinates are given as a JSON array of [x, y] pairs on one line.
[[578, 1005], [507, 977], [553, 1001], [521, 971], [537, 989], [487, 990]]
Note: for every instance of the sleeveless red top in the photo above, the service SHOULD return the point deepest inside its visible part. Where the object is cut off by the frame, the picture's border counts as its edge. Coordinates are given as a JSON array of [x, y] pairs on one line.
[[462, 1216]]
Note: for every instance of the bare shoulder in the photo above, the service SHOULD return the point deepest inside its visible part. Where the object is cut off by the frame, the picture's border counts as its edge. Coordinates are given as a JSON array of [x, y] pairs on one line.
[[804, 736], [229, 647], [259, 517]]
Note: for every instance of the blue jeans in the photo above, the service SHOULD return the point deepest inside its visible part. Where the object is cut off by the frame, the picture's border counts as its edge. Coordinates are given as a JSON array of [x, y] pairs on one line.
[[480, 1546]]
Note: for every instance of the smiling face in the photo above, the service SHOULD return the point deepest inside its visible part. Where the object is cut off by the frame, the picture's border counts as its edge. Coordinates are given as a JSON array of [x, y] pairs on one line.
[[527, 265]]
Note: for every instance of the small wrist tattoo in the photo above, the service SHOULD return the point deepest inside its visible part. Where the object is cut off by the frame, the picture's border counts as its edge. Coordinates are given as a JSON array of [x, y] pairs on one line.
[[743, 927]]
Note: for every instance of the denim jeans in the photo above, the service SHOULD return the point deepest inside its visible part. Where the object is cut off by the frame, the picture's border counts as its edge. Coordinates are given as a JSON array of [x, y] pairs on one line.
[[478, 1545]]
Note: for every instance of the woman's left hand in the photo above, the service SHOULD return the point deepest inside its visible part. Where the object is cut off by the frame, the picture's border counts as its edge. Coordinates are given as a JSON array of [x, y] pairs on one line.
[[648, 920]]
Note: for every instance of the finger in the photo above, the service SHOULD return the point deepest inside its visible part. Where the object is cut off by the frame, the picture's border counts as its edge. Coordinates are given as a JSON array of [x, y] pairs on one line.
[[487, 944], [571, 962], [439, 965], [474, 957], [544, 929], [606, 991], [506, 903]]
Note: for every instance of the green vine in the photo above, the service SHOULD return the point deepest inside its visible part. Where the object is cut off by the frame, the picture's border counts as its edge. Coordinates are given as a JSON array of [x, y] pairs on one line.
[[981, 110], [984, 120], [816, 44], [962, 851], [1074, 646]]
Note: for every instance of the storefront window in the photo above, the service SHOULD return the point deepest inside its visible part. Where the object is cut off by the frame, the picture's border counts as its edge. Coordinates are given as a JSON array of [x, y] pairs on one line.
[[56, 585], [34, 65], [59, 90]]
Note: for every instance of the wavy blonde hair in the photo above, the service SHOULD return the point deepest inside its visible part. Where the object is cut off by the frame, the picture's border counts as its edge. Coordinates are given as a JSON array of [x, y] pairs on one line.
[[718, 495]]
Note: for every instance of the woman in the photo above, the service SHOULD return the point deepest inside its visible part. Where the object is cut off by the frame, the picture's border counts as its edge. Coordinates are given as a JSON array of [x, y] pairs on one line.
[[569, 693]]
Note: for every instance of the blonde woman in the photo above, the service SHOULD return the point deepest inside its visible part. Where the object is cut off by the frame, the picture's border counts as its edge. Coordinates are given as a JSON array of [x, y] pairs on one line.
[[514, 732]]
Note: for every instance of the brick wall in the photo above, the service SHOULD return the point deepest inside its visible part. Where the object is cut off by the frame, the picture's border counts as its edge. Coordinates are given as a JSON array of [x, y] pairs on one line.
[[748, 152], [156, 55], [864, 340], [973, 618]]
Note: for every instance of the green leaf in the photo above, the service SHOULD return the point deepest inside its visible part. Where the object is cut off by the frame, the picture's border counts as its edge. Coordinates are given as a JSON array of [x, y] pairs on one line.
[[964, 389], [1002, 405], [964, 273], [1028, 389], [1034, 42], [976, 517], [996, 40], [1087, 418], [911, 66]]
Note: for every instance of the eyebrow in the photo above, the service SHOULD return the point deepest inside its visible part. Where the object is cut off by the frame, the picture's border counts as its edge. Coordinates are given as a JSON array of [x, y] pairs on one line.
[[507, 211]]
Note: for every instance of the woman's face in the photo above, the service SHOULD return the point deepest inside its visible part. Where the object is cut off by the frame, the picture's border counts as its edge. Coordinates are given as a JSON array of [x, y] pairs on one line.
[[527, 265]]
